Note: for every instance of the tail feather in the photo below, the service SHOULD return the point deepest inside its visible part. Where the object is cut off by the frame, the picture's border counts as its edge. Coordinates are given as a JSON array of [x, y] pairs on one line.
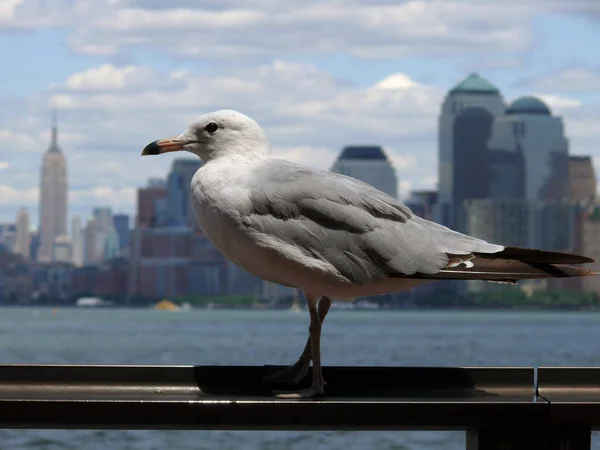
[[511, 265], [534, 255], [508, 271]]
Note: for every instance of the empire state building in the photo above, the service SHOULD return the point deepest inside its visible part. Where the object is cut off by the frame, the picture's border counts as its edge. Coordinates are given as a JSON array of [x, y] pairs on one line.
[[53, 197]]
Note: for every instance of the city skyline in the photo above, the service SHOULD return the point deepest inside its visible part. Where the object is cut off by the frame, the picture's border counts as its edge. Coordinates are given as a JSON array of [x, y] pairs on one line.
[[193, 162], [117, 86]]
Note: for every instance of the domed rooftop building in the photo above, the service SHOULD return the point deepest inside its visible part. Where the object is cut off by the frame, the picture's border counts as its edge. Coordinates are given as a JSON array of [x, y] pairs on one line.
[[474, 84], [466, 113], [528, 105], [370, 164], [529, 127]]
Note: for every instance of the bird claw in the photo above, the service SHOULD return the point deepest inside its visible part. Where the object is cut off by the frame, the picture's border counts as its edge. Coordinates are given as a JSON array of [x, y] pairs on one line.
[[311, 392], [291, 375]]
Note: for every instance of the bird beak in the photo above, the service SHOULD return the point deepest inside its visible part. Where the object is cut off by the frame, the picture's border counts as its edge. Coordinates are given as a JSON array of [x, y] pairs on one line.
[[172, 144]]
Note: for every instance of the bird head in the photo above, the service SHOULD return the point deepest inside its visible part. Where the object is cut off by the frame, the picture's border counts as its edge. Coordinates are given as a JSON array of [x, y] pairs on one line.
[[223, 133]]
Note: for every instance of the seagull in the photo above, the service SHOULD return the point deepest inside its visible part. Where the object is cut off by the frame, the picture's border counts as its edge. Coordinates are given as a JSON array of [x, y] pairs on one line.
[[329, 235]]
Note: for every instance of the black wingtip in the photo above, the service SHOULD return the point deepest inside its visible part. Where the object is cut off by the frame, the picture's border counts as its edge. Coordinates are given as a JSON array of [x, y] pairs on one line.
[[533, 255]]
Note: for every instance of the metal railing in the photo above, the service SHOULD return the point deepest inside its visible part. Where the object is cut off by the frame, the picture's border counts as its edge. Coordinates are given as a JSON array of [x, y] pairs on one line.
[[503, 408]]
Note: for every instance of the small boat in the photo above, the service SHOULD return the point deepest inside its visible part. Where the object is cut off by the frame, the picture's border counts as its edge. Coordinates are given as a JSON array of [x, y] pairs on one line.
[[166, 305]]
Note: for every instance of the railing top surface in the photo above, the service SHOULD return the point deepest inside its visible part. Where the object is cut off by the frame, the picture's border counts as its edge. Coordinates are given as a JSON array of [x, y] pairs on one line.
[[235, 397], [246, 382]]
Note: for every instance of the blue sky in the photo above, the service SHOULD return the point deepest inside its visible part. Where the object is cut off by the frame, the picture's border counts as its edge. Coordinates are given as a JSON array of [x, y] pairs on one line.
[[125, 72]]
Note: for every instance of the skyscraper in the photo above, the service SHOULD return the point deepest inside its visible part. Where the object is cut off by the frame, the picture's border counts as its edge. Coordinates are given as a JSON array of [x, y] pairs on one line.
[[76, 242], [91, 256], [23, 234], [104, 226], [53, 197], [147, 203], [369, 164], [8, 236], [121, 224], [529, 127], [178, 203], [465, 125], [582, 180], [61, 249]]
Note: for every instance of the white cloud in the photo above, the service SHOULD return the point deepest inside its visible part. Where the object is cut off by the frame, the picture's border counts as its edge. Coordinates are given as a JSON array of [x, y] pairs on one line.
[[103, 195], [402, 161], [308, 114], [316, 157], [253, 29], [396, 81], [560, 103], [11, 140], [12, 196], [574, 79], [4, 165], [108, 77]]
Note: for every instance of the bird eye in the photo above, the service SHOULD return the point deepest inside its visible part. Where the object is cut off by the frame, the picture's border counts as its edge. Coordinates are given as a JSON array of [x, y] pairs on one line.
[[211, 127]]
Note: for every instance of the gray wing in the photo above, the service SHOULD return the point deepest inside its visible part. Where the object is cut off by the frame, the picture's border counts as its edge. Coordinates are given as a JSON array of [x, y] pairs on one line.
[[362, 232]]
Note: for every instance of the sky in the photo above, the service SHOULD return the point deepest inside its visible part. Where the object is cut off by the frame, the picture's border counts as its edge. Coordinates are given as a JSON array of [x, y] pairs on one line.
[[317, 75]]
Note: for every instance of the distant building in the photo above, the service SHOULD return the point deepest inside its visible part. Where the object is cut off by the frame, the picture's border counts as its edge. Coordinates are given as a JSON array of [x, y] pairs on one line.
[[104, 224], [175, 262], [422, 203], [53, 197], [465, 125], [528, 127], [23, 234], [121, 225], [146, 205], [34, 245], [8, 236], [112, 247], [77, 242], [104, 218], [590, 246], [91, 256], [178, 201], [156, 183], [504, 221], [240, 282], [61, 249], [582, 180], [369, 164]]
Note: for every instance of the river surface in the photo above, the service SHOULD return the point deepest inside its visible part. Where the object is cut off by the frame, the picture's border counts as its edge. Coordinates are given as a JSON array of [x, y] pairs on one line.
[[411, 338]]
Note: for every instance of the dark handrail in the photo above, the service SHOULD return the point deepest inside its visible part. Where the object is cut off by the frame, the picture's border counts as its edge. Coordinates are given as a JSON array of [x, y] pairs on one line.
[[494, 404]]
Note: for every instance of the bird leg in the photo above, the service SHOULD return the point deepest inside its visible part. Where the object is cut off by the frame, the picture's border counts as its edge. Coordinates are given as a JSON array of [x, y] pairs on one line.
[[318, 384], [295, 373]]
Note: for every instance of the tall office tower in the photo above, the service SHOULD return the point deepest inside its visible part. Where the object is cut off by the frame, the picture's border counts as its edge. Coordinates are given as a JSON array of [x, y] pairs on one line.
[[104, 224], [61, 249], [465, 125], [369, 164], [178, 202], [53, 197], [8, 236], [91, 256], [148, 204], [121, 225], [582, 180], [529, 127], [23, 234], [104, 218], [111, 245], [76, 242]]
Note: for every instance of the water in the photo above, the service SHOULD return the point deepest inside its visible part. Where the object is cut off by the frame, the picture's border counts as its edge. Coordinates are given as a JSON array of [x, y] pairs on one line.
[[411, 338]]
